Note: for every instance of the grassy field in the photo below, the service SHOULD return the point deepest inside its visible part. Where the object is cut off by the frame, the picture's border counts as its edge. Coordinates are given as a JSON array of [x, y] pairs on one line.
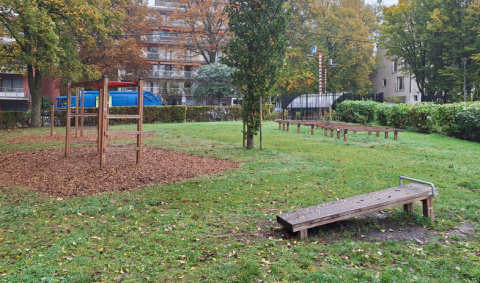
[[223, 228]]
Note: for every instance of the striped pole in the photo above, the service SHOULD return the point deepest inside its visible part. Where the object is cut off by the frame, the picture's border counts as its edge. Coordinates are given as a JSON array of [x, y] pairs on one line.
[[320, 72]]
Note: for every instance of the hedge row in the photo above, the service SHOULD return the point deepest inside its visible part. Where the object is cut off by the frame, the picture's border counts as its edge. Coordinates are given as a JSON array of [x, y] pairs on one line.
[[10, 119], [461, 120], [169, 114]]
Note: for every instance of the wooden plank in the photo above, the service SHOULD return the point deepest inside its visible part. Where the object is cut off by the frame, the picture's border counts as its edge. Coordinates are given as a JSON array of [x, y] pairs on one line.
[[83, 142], [354, 206], [83, 128], [122, 133], [118, 116], [116, 149], [84, 114]]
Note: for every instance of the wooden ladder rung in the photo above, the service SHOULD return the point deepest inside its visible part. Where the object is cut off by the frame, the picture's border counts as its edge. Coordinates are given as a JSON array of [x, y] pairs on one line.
[[82, 142], [84, 114], [122, 133], [83, 128], [118, 116], [115, 149]]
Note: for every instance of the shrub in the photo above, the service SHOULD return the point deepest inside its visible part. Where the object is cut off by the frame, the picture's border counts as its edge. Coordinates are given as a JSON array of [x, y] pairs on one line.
[[356, 111], [10, 119], [382, 110], [398, 116], [420, 118]]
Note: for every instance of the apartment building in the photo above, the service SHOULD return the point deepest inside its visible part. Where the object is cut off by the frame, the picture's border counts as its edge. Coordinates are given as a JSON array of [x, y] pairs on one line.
[[14, 91], [173, 68], [396, 85]]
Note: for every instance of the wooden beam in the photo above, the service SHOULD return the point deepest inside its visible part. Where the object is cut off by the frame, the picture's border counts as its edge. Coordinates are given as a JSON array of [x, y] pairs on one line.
[[87, 83], [119, 116]]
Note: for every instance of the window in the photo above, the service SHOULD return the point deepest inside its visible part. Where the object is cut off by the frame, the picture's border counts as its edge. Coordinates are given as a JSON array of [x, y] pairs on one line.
[[400, 84], [415, 98], [12, 85], [394, 67], [384, 82]]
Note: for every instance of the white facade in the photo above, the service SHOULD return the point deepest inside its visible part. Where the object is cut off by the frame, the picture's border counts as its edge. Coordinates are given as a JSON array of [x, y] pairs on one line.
[[395, 84]]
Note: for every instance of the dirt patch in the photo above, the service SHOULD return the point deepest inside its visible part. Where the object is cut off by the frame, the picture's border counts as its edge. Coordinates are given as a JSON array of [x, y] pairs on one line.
[[61, 137], [48, 172]]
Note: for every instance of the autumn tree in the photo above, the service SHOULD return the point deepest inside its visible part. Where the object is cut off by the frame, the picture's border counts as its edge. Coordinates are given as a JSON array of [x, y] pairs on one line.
[[256, 50], [344, 31], [47, 36], [213, 80], [201, 27]]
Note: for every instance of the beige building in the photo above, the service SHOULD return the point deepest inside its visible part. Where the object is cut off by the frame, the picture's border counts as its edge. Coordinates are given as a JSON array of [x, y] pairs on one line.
[[396, 85]]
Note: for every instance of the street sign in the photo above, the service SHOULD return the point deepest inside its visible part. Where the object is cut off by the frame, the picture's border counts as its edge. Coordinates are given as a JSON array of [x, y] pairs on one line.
[[184, 99], [314, 49]]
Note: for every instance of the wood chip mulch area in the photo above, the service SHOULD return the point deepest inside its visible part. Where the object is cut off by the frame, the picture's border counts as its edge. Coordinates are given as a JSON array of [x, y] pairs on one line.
[[48, 172]]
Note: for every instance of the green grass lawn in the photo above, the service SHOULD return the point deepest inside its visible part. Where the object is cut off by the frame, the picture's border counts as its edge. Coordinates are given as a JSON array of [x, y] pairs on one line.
[[222, 228]]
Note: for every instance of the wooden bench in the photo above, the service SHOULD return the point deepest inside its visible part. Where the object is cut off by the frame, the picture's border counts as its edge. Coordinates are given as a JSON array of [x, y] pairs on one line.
[[309, 217]]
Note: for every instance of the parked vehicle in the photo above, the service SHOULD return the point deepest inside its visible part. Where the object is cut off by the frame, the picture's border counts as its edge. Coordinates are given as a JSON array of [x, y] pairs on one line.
[[117, 98]]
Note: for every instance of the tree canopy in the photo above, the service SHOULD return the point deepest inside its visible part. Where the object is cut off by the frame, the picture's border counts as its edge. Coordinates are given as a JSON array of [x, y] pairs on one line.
[[213, 80], [48, 36], [255, 50]]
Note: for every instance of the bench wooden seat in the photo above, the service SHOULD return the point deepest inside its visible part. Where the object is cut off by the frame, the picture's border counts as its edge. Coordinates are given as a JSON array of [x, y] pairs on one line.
[[309, 217]]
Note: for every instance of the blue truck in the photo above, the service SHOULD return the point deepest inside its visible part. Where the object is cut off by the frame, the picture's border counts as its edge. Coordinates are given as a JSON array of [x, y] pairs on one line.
[[117, 98]]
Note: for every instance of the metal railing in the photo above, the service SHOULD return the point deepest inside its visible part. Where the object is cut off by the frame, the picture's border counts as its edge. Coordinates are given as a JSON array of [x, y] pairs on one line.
[[13, 93], [172, 74], [161, 38]]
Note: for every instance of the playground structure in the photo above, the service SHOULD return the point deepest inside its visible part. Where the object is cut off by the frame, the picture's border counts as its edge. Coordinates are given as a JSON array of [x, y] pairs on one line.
[[103, 116]]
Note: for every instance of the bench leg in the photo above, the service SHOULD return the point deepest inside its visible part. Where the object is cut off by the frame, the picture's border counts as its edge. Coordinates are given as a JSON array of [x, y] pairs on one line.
[[303, 234], [279, 126], [408, 207], [386, 135], [378, 134], [428, 208], [283, 125]]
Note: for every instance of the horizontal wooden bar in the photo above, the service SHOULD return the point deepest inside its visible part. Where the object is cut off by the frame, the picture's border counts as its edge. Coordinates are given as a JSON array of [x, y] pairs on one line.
[[116, 149], [83, 128], [82, 141], [84, 114], [118, 116], [122, 133]]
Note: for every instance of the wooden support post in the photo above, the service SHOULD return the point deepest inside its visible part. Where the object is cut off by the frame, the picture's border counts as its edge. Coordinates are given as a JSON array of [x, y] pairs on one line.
[[377, 134], [279, 125], [345, 135], [395, 134], [288, 126], [52, 120], [313, 127], [261, 123], [77, 104], [325, 131], [338, 133], [303, 234], [386, 135], [140, 121], [69, 114], [408, 207], [283, 125], [102, 117], [82, 110], [428, 208], [298, 128], [331, 132]]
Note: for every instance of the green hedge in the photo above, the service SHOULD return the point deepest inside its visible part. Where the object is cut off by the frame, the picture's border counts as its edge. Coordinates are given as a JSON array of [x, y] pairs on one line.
[[461, 120], [10, 119]]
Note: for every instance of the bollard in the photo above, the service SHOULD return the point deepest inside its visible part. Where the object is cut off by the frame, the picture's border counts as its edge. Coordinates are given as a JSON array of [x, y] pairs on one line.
[[338, 133], [331, 132], [345, 135], [283, 124], [279, 125], [298, 128], [313, 127], [288, 126], [395, 134]]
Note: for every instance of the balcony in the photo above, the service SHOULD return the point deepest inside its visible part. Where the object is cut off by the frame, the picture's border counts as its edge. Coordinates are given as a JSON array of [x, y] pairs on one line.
[[156, 38], [172, 74], [13, 94], [169, 4]]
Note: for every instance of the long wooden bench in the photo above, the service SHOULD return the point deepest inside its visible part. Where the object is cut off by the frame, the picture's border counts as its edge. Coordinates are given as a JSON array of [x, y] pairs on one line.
[[309, 217]]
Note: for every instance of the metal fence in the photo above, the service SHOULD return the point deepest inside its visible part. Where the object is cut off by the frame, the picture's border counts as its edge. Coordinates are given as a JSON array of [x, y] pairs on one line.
[[314, 106]]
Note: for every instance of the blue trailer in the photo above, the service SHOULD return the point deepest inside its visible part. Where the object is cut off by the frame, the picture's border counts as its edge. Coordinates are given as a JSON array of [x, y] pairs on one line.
[[117, 98]]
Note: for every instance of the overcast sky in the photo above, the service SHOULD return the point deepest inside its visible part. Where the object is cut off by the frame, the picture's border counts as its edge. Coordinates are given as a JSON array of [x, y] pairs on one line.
[[385, 2]]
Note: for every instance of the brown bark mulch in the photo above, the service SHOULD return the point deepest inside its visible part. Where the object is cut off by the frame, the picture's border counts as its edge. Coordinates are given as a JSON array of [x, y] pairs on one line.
[[48, 172]]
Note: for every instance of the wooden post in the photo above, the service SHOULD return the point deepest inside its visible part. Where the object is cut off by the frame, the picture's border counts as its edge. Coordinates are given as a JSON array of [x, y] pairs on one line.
[[345, 135], [140, 121], [69, 114], [283, 126], [395, 134], [244, 133], [331, 132], [428, 208], [331, 114], [408, 207], [313, 127], [279, 125], [386, 135], [82, 110], [378, 134], [338, 133], [298, 128], [325, 131], [303, 234], [288, 126], [103, 116], [52, 120], [100, 121], [77, 104], [261, 123]]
